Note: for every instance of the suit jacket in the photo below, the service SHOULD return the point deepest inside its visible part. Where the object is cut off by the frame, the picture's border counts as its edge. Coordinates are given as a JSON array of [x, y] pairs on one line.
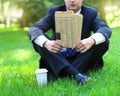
[[91, 23]]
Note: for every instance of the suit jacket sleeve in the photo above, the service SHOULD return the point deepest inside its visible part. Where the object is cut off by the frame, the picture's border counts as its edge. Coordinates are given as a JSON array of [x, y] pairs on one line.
[[98, 25], [41, 26]]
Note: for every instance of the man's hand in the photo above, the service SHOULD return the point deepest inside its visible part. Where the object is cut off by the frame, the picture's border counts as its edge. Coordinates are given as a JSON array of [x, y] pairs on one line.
[[53, 46], [84, 44]]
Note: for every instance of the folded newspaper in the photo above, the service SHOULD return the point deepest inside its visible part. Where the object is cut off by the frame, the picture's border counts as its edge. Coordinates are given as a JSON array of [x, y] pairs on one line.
[[68, 27]]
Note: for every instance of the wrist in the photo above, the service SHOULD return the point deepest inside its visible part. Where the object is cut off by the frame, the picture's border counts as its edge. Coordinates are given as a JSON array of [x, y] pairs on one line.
[[44, 44], [98, 37], [93, 41]]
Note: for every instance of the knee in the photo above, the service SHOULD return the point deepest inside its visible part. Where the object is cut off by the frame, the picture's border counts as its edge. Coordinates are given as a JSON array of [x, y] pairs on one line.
[[103, 46]]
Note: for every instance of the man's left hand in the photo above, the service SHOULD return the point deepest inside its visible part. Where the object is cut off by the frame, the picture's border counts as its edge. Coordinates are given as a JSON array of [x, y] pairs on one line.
[[84, 44]]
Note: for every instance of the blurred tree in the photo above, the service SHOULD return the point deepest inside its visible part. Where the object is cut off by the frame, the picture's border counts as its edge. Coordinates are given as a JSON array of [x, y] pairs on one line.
[[33, 10], [2, 15], [100, 5], [56, 2]]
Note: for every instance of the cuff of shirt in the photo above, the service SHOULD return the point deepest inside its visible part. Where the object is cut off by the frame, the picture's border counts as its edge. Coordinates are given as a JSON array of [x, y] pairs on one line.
[[98, 37], [40, 40]]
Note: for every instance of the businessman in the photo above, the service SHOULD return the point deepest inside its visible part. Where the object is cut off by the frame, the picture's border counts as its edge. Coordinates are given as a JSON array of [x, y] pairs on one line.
[[86, 54]]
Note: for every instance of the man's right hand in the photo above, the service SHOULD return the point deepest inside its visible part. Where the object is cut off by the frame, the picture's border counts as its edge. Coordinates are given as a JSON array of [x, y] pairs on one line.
[[53, 46]]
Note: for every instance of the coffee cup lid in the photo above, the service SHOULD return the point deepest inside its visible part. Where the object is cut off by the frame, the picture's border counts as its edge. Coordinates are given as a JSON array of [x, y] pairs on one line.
[[41, 70]]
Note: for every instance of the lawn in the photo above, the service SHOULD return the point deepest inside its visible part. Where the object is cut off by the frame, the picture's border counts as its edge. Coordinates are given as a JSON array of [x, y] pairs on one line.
[[18, 62]]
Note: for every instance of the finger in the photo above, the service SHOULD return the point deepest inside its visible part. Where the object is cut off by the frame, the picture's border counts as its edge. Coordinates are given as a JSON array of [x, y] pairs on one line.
[[59, 44], [79, 47], [84, 50], [57, 47], [55, 51]]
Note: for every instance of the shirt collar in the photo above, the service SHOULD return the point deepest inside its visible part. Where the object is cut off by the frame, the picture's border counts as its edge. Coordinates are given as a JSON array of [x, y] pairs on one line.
[[78, 12]]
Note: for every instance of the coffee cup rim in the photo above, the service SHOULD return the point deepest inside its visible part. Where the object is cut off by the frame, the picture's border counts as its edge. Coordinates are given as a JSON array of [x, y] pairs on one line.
[[43, 70]]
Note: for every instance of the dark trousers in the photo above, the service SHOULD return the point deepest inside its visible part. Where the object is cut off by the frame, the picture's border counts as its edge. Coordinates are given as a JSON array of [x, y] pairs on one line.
[[83, 62]]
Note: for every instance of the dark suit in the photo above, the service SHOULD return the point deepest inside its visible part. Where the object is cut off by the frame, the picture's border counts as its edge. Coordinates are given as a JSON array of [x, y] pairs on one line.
[[55, 62]]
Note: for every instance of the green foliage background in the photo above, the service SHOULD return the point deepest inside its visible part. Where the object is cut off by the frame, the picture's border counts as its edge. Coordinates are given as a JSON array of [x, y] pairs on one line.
[[36, 9]]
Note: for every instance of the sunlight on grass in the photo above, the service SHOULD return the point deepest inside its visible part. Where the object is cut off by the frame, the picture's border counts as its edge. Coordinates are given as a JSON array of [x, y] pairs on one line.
[[2, 25], [26, 28], [116, 24], [1, 60], [16, 28], [1, 77], [21, 54], [17, 57]]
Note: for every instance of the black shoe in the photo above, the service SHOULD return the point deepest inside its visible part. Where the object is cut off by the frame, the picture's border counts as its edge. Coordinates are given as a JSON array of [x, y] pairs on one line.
[[81, 79]]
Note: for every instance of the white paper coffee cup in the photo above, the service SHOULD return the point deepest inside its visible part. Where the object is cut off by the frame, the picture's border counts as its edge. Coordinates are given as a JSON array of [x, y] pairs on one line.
[[41, 75]]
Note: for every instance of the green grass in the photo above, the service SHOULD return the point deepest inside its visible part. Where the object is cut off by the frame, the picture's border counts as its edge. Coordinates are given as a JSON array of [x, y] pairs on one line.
[[18, 62]]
